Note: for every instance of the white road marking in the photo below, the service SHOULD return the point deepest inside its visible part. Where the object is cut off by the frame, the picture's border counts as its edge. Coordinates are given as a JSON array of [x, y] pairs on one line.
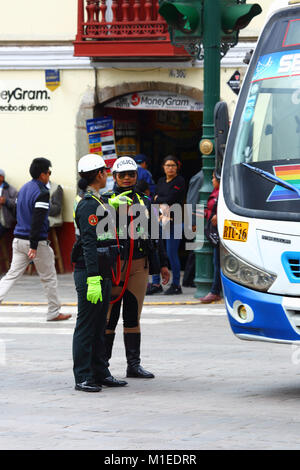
[[157, 310], [24, 319]]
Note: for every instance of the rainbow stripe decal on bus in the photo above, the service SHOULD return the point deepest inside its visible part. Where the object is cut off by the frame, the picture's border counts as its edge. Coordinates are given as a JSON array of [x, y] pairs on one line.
[[290, 174]]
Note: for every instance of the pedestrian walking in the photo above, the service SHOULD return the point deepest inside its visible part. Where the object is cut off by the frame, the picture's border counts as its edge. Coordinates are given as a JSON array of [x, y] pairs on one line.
[[30, 241], [92, 255], [144, 254], [170, 190]]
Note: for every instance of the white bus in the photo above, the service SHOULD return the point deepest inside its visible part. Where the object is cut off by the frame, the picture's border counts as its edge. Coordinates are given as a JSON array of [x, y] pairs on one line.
[[259, 200]]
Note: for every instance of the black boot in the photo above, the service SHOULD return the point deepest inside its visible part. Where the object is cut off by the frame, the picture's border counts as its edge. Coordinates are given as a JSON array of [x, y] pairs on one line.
[[109, 380], [132, 343]]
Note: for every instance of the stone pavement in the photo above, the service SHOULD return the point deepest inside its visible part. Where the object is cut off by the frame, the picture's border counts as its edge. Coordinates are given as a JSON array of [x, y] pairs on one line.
[[211, 390]]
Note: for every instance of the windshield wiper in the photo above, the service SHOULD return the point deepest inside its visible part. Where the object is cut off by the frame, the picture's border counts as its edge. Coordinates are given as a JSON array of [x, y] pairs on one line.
[[274, 179]]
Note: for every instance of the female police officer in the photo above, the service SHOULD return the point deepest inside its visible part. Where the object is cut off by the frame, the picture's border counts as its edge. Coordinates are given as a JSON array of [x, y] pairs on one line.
[[92, 281], [125, 176]]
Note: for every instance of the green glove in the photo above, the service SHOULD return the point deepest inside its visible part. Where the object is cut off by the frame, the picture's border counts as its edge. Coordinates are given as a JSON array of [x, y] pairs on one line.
[[116, 201], [94, 292]]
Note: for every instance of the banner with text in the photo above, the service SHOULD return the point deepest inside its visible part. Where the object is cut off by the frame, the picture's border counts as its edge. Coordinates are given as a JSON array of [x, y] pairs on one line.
[[21, 96], [157, 100], [101, 138]]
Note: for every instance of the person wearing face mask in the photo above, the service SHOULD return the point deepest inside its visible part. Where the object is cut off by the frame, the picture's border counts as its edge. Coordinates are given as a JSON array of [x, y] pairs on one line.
[[140, 253]]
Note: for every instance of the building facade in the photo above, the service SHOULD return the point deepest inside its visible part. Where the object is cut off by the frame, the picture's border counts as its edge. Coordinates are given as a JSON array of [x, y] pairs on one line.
[[151, 90]]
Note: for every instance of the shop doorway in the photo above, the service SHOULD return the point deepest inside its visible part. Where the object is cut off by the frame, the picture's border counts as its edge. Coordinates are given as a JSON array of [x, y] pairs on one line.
[[158, 133]]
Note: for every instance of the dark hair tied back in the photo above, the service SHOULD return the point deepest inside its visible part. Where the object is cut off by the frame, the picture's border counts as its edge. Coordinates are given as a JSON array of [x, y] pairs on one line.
[[82, 184], [89, 176]]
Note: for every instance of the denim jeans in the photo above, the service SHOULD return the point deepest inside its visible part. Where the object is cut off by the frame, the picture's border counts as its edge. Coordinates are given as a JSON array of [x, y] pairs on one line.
[[172, 247]]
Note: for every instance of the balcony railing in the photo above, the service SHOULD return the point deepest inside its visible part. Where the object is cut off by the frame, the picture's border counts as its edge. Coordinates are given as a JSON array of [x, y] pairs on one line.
[[119, 29]]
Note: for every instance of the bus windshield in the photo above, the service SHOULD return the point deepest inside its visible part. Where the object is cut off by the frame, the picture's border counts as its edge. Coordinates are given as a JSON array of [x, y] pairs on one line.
[[265, 134], [270, 125]]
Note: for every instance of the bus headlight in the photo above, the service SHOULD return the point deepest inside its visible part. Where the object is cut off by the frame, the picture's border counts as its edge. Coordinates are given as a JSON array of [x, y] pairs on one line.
[[244, 273]]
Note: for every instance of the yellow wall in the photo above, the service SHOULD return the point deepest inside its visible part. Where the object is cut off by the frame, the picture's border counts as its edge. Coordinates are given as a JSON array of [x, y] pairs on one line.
[[254, 28], [112, 77], [26, 135], [34, 20]]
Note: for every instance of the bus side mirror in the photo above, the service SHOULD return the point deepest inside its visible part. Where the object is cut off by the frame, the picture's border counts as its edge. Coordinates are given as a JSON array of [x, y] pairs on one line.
[[221, 120]]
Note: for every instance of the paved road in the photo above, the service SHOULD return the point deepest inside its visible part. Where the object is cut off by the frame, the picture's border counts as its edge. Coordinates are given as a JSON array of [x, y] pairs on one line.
[[211, 391]]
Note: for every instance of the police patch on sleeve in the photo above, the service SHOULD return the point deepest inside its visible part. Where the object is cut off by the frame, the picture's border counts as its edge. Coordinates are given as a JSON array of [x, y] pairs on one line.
[[93, 219]]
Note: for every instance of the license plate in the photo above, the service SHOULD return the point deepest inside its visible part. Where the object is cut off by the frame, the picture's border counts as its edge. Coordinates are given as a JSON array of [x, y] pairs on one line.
[[235, 230]]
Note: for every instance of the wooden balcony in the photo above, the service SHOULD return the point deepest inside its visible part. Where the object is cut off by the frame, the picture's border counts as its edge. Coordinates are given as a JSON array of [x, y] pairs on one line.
[[124, 30]]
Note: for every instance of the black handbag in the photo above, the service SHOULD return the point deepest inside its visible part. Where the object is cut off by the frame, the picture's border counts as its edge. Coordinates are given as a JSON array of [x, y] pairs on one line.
[[211, 231], [153, 257], [107, 260]]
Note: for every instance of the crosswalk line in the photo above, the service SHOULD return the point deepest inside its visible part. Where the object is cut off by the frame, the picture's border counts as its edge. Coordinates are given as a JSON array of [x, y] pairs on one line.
[[147, 310], [23, 319]]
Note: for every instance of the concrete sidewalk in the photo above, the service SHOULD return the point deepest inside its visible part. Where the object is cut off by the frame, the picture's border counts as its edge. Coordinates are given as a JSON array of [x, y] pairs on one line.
[[29, 291]]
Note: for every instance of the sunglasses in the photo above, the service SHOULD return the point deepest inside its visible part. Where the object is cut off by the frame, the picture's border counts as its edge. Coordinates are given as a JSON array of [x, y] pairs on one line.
[[122, 174]]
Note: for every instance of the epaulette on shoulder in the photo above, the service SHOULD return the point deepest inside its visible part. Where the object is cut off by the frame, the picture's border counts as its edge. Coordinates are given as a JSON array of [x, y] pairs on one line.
[[108, 193]]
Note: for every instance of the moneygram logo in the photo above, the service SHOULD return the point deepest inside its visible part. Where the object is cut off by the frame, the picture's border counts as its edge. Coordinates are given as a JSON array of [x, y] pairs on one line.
[[135, 99], [23, 99], [20, 94]]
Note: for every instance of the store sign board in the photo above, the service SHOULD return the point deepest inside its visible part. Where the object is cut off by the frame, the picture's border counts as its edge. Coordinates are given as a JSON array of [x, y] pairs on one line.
[[154, 100], [19, 97], [101, 137], [52, 79], [235, 82]]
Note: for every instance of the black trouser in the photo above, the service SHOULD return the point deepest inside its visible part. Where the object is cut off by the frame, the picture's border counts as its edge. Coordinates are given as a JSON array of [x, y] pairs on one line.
[[88, 339]]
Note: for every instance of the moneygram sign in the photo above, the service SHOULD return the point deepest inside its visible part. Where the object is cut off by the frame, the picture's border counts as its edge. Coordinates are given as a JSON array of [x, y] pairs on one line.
[[157, 100], [29, 98]]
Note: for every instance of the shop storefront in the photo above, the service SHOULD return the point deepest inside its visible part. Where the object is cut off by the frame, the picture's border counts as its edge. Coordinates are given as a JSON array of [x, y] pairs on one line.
[[44, 112], [158, 124]]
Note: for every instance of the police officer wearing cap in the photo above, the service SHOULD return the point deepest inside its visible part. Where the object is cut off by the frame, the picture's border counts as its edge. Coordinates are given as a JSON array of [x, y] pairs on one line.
[[92, 280], [144, 256]]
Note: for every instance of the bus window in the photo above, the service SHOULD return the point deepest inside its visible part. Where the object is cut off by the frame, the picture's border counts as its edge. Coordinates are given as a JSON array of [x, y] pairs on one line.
[[270, 125]]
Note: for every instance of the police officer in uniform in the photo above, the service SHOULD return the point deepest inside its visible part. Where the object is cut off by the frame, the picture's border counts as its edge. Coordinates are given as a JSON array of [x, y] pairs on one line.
[[145, 252], [92, 280]]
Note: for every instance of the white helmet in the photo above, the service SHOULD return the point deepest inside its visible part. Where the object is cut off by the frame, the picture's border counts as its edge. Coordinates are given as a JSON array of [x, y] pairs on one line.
[[124, 164], [90, 162]]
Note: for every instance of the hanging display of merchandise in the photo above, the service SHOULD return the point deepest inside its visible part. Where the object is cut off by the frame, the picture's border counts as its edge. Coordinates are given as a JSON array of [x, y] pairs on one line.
[[101, 137], [126, 138]]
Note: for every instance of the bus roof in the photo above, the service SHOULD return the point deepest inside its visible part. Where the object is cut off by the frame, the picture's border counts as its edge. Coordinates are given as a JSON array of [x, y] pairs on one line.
[[280, 4]]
